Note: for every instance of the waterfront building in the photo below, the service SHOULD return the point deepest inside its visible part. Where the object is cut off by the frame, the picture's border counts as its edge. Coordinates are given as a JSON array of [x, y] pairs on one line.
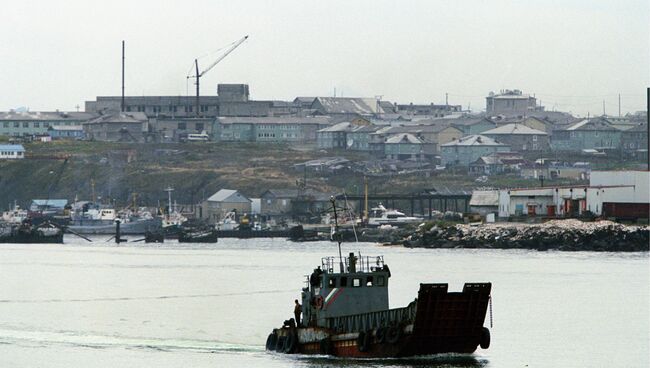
[[37, 123], [220, 203]]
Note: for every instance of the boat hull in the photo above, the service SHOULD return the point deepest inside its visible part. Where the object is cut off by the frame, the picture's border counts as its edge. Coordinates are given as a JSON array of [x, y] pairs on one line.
[[91, 227], [438, 322]]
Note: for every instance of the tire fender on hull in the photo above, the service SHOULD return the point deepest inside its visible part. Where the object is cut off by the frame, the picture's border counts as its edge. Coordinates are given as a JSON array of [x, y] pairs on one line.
[[485, 338]]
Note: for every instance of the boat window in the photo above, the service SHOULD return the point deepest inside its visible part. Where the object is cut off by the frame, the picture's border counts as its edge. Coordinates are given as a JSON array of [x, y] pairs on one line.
[[381, 281], [369, 281], [331, 282], [356, 282], [344, 282]]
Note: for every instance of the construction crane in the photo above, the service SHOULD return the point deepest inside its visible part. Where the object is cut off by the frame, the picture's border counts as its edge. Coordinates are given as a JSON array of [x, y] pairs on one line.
[[198, 75]]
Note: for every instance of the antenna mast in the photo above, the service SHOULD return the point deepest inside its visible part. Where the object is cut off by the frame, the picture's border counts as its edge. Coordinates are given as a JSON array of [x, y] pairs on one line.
[[337, 236]]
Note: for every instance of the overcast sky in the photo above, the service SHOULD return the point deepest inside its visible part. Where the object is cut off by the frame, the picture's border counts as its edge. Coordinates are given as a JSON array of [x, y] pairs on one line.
[[571, 54]]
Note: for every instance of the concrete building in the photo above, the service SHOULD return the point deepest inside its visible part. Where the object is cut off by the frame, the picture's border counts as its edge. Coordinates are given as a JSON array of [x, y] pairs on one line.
[[510, 102], [117, 127], [219, 204], [635, 140], [484, 202], [428, 110], [428, 131], [37, 123], [288, 129], [595, 133], [520, 137], [347, 107], [292, 203], [468, 149], [12, 151], [486, 165], [177, 129]]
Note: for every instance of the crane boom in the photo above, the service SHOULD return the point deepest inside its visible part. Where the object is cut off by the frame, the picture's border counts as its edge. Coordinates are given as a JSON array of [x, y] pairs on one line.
[[198, 75], [231, 49]]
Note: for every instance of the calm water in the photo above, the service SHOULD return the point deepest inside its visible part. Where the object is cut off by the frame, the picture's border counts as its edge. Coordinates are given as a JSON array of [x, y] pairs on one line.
[[101, 305]]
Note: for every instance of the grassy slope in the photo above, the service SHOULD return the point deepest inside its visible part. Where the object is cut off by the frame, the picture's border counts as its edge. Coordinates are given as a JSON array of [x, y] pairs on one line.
[[197, 171]]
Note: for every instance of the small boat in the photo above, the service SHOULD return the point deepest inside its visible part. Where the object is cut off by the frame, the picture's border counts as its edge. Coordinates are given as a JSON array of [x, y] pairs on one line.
[[26, 233], [345, 313], [197, 236], [380, 215]]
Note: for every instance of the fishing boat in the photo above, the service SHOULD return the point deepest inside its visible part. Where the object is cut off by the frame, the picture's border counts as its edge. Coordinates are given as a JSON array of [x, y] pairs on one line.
[[380, 215], [198, 235], [92, 218], [345, 313]]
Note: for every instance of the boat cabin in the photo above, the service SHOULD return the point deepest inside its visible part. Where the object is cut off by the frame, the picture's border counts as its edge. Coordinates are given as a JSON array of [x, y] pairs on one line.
[[343, 287]]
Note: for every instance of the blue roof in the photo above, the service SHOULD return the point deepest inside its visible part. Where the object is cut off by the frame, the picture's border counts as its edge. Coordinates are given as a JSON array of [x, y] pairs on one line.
[[56, 203], [12, 147]]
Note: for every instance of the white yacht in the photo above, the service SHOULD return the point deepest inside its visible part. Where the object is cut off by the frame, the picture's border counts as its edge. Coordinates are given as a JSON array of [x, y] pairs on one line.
[[380, 215]]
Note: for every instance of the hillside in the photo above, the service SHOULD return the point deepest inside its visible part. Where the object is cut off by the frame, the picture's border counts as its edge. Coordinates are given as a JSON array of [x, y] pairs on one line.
[[195, 170]]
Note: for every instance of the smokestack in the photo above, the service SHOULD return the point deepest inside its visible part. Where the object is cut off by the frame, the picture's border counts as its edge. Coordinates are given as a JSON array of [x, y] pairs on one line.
[[122, 104]]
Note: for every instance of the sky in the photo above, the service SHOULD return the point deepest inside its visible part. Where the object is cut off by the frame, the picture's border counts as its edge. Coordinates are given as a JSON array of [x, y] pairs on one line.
[[572, 54]]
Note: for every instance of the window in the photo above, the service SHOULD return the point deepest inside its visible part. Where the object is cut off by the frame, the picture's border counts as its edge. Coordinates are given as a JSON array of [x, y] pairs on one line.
[[182, 126], [331, 282], [381, 281], [534, 138], [16, 124], [356, 282], [172, 108], [343, 281], [5, 125], [46, 125], [204, 108], [128, 108], [369, 281], [25, 124], [37, 124]]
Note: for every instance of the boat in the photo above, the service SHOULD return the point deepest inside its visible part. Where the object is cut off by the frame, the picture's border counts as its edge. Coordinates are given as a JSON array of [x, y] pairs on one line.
[[28, 233], [90, 218], [345, 313], [14, 216], [198, 235], [380, 215]]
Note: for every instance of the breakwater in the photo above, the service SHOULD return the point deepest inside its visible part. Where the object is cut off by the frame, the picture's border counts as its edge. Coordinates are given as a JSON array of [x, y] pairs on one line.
[[564, 235]]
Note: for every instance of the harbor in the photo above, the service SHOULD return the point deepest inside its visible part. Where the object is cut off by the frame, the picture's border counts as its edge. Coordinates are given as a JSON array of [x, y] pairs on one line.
[[129, 303]]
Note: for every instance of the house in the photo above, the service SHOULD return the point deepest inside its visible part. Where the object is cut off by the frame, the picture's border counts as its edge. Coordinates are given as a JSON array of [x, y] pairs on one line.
[[117, 127], [359, 138], [290, 203], [37, 123], [66, 132], [427, 130], [529, 121], [428, 110], [472, 125], [486, 165], [406, 145], [12, 151], [520, 137], [595, 133], [635, 140], [335, 136], [178, 128], [510, 102], [468, 149], [219, 204], [484, 202]]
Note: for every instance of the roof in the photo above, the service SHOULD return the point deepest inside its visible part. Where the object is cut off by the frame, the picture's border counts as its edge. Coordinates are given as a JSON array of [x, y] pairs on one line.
[[513, 129], [58, 203], [488, 160], [340, 127], [275, 120], [404, 138], [66, 127], [46, 115], [484, 198], [592, 124], [418, 128], [349, 105], [643, 127], [295, 193], [12, 147], [120, 118], [473, 140], [228, 195]]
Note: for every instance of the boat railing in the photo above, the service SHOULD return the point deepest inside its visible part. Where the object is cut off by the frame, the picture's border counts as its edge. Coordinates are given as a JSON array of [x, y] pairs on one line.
[[361, 263], [373, 320]]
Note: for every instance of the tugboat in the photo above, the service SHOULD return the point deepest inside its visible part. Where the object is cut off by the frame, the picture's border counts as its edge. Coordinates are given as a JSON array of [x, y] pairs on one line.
[[346, 314]]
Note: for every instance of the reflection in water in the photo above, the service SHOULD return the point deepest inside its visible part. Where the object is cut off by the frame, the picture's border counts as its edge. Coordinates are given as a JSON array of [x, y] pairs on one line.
[[438, 361]]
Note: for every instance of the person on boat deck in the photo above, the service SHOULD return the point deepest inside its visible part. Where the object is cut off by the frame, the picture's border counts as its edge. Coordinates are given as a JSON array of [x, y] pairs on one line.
[[297, 310]]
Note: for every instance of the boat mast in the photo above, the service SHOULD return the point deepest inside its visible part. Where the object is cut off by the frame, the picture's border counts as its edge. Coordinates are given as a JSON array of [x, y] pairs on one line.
[[169, 191], [336, 234]]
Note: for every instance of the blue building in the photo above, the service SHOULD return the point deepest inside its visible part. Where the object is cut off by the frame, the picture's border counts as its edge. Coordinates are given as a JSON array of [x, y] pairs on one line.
[[11, 151], [66, 132]]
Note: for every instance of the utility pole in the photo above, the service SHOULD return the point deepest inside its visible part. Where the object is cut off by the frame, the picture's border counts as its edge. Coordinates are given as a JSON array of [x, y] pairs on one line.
[[604, 113], [122, 104], [196, 65], [446, 99]]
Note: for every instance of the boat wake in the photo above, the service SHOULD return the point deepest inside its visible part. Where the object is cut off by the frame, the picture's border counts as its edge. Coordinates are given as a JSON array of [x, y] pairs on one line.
[[30, 337]]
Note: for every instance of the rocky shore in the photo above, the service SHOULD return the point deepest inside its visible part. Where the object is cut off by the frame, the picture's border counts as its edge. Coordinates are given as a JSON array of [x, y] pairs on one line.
[[564, 235]]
